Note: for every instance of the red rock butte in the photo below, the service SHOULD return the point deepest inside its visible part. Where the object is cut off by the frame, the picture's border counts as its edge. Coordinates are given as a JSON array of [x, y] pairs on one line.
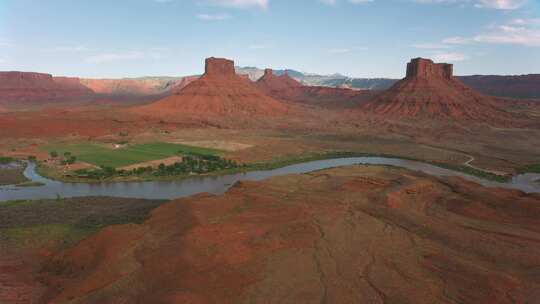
[[425, 68], [219, 91], [430, 90], [284, 87], [270, 83], [219, 67]]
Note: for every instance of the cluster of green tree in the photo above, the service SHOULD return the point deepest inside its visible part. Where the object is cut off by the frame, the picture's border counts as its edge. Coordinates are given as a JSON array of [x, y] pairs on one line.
[[535, 168], [67, 159], [198, 164], [6, 160]]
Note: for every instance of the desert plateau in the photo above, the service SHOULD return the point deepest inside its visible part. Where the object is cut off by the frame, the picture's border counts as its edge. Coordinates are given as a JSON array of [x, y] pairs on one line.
[[267, 151]]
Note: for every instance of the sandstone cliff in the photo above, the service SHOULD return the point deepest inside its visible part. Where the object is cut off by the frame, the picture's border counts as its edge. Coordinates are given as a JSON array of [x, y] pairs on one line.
[[29, 86]]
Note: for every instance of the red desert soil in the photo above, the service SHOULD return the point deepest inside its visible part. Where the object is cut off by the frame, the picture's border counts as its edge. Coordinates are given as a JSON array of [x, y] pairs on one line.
[[219, 91], [284, 87], [25, 86], [72, 121], [359, 234], [431, 91]]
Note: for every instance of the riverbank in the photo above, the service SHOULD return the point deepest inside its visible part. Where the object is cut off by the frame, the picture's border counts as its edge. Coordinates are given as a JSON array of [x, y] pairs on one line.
[[276, 163], [12, 174]]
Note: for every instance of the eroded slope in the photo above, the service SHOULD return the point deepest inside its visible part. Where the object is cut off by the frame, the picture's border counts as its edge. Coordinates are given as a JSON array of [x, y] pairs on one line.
[[348, 235]]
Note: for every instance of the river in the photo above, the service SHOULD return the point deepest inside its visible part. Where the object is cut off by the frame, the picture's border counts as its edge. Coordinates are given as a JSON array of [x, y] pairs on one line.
[[219, 184]]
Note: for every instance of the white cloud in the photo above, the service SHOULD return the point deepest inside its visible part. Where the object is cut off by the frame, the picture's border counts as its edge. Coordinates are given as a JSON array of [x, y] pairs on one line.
[[339, 50], [257, 46], [5, 43], [457, 40], [448, 57], [346, 50], [506, 34], [493, 4], [431, 46], [110, 57], [520, 21], [66, 48], [523, 32], [334, 2], [501, 4], [215, 17], [240, 3]]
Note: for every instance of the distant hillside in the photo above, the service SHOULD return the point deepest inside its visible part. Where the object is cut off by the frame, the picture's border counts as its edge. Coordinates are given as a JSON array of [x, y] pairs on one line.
[[521, 86]]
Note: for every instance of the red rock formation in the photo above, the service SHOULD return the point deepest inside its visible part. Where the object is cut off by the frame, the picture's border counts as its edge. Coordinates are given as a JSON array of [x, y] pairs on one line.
[[286, 88], [219, 91], [430, 91], [27, 86], [245, 76], [366, 235], [219, 67], [183, 83], [273, 85], [133, 86], [425, 68]]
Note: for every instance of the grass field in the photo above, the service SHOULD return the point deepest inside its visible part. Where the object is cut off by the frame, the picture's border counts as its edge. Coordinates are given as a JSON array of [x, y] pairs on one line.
[[100, 155]]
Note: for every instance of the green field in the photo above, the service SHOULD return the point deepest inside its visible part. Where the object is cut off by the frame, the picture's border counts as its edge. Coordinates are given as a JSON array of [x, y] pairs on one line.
[[101, 155]]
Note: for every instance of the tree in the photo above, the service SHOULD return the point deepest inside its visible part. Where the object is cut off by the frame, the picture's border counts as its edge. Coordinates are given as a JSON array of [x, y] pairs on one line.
[[53, 154]]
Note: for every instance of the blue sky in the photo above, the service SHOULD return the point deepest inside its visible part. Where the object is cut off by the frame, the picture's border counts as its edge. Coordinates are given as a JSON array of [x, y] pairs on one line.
[[360, 38]]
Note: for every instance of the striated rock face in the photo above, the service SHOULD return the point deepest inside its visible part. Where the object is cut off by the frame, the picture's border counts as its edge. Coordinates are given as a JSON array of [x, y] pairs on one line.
[[425, 68], [366, 235], [430, 91], [284, 87], [219, 67], [218, 92], [29, 86]]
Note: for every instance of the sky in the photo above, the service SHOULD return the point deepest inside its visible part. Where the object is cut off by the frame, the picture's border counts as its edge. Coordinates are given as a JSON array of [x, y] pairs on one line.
[[357, 38]]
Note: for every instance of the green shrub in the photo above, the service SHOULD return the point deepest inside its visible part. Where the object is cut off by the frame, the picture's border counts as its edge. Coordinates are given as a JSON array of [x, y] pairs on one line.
[[6, 160]]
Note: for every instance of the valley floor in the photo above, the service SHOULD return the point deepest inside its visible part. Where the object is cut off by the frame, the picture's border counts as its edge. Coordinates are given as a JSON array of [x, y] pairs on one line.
[[352, 234]]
